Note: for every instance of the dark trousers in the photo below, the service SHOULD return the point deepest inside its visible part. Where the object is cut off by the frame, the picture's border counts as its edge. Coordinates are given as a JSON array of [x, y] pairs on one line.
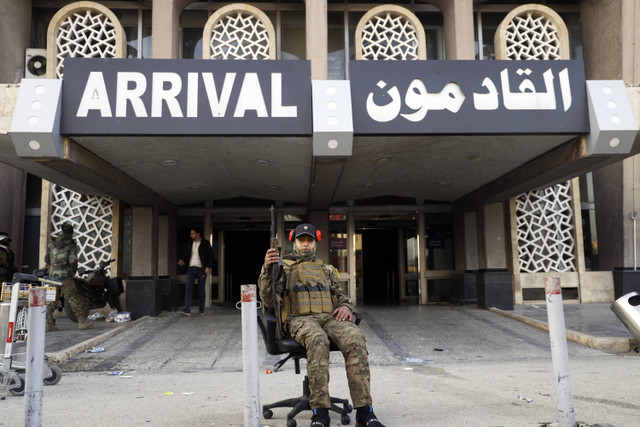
[[195, 273]]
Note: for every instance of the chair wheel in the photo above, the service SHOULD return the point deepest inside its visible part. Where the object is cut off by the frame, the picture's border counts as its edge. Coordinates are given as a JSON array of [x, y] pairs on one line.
[[345, 419], [267, 413], [348, 408], [291, 423]]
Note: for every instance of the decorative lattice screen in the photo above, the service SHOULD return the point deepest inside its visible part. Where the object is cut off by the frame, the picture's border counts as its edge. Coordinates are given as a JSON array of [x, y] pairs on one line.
[[545, 230], [532, 36], [389, 36], [85, 34], [91, 217], [239, 35]]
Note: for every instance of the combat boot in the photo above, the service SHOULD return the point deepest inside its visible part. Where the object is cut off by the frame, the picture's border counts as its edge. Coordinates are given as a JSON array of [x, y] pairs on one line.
[[50, 326], [366, 418], [320, 418], [85, 325]]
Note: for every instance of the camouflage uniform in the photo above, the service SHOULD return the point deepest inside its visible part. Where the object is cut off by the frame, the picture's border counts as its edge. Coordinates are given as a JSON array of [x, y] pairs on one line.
[[313, 331], [62, 259]]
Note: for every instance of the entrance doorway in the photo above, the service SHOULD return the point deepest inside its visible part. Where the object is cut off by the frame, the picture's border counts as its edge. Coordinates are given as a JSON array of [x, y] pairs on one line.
[[380, 275], [243, 256]]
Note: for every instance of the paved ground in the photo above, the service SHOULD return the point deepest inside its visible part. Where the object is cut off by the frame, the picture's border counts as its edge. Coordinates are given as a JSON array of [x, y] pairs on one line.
[[476, 367]]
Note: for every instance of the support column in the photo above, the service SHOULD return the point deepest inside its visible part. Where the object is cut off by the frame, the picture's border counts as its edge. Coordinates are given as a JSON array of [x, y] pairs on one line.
[[494, 280], [458, 28], [316, 38], [143, 292], [321, 221], [422, 258], [165, 27], [13, 187], [15, 26]]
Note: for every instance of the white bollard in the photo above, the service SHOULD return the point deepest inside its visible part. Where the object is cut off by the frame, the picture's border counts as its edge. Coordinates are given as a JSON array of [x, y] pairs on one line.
[[559, 351], [35, 357], [250, 356]]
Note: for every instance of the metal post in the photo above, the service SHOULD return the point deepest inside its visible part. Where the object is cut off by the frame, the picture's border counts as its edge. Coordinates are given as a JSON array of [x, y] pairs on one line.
[[35, 356], [250, 356], [559, 351]]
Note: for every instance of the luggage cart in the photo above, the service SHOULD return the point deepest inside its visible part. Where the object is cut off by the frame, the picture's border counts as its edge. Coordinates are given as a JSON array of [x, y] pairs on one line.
[[12, 372]]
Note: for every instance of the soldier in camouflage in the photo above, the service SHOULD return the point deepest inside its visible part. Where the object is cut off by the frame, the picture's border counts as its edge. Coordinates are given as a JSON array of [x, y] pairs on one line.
[[62, 261], [315, 310], [7, 259]]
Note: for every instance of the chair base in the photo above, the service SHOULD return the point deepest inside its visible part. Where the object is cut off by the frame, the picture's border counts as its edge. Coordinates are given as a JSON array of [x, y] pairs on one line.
[[302, 404]]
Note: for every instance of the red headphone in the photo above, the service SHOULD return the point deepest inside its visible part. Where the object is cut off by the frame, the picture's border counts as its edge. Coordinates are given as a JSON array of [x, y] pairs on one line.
[[318, 235]]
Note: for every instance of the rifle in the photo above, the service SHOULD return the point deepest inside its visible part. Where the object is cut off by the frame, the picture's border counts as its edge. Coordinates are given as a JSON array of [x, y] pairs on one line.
[[276, 274]]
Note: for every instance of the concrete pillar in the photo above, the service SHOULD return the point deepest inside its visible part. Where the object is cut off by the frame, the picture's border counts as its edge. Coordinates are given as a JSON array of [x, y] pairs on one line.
[[470, 243], [320, 219], [144, 242], [165, 27], [458, 28], [494, 280], [15, 33], [45, 220], [117, 235], [13, 187], [316, 38]]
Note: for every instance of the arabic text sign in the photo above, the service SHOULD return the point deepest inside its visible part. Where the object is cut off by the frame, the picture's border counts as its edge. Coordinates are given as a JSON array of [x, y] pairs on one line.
[[468, 97], [185, 97]]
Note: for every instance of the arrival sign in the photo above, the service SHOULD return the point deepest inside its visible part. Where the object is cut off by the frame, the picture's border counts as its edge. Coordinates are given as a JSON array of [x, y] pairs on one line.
[[185, 97], [468, 97]]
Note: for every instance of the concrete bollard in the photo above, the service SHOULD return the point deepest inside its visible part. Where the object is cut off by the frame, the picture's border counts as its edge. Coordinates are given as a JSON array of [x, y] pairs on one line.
[[559, 351], [35, 357], [250, 356]]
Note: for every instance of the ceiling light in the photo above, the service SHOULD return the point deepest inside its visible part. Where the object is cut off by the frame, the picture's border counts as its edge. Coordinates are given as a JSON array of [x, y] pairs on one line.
[[195, 187], [263, 162], [169, 162], [478, 159], [273, 187], [383, 160], [443, 183]]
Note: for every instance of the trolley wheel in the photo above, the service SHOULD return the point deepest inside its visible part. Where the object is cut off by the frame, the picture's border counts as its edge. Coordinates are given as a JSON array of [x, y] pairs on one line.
[[56, 375], [345, 419], [18, 391], [291, 423], [267, 413]]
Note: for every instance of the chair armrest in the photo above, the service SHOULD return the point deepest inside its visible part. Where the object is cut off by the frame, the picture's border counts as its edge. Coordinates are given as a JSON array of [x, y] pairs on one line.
[[357, 316]]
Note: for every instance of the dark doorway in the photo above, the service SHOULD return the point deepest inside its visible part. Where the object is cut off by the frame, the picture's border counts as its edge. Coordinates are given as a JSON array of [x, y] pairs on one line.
[[243, 257], [380, 266]]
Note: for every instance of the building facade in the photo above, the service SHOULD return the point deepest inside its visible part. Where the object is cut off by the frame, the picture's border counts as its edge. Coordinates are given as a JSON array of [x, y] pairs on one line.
[[434, 202]]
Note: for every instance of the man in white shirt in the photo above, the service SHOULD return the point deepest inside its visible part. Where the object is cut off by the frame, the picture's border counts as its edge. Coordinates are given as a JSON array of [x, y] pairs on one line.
[[200, 260]]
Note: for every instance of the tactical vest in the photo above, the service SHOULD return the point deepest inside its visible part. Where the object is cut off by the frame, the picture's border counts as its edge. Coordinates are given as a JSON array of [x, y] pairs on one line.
[[307, 290]]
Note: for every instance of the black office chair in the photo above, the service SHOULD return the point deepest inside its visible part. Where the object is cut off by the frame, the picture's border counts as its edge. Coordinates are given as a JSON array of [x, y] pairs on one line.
[[267, 324]]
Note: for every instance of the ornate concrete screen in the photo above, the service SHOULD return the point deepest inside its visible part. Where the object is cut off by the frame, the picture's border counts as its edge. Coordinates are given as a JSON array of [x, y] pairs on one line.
[[532, 32], [239, 31], [390, 32], [545, 236], [91, 217], [545, 231], [83, 29]]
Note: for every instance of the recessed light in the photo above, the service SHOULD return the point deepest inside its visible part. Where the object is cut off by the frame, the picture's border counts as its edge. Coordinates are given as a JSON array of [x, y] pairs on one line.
[[478, 159], [263, 162], [273, 187], [195, 187], [443, 183], [383, 160], [169, 162]]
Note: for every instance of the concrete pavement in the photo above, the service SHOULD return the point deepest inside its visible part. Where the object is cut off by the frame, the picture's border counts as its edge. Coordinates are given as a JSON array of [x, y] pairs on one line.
[[474, 367]]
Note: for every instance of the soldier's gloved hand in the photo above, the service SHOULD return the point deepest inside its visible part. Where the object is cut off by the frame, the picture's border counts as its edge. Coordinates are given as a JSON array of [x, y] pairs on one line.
[[342, 313]]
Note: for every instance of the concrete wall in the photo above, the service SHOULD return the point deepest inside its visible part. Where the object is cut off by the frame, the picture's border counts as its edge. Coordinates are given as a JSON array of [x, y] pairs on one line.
[[15, 33]]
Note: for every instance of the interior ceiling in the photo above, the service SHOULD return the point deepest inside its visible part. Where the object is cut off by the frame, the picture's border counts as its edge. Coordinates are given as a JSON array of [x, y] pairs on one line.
[[433, 168]]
